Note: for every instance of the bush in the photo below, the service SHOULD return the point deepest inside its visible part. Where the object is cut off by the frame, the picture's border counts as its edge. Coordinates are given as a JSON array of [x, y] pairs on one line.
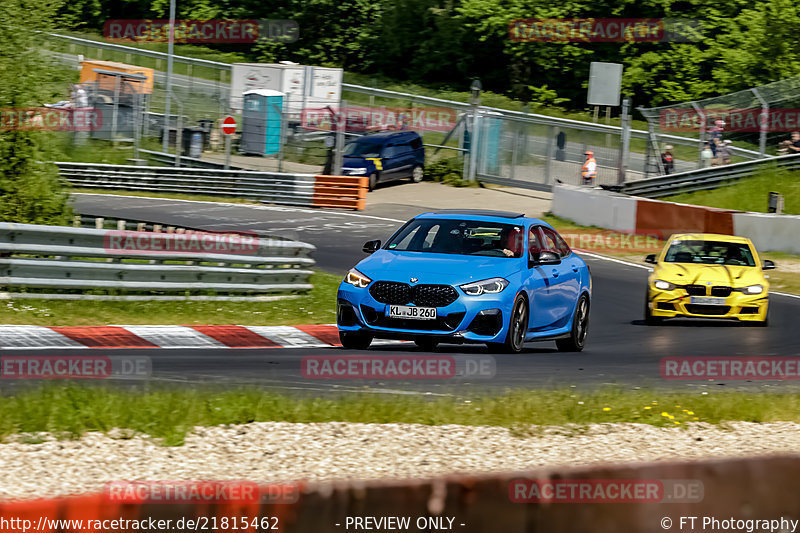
[[447, 171]]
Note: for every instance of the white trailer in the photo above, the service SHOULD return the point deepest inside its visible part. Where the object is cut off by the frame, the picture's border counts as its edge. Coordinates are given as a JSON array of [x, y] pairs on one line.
[[303, 86]]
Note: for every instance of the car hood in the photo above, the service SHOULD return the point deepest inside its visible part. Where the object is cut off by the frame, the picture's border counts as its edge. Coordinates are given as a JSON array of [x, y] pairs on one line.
[[356, 162], [450, 269], [730, 275]]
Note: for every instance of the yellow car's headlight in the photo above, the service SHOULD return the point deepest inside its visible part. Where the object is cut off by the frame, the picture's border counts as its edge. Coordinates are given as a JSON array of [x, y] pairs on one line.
[[357, 279], [663, 285], [752, 289]]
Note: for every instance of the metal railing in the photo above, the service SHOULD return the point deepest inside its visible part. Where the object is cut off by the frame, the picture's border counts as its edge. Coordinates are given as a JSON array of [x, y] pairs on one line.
[[706, 178], [79, 263], [271, 187]]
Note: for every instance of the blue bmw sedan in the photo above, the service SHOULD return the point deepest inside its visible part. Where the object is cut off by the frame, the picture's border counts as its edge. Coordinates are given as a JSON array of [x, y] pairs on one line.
[[477, 276]]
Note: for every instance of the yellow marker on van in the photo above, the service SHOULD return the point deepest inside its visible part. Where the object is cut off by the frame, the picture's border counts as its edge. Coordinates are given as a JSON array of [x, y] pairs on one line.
[[377, 160]]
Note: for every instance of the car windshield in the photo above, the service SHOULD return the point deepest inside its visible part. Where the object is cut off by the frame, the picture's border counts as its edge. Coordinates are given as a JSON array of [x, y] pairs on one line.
[[710, 253], [362, 149], [463, 237]]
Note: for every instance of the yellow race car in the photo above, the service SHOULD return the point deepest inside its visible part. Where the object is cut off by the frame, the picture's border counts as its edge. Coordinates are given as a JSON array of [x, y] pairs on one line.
[[705, 275]]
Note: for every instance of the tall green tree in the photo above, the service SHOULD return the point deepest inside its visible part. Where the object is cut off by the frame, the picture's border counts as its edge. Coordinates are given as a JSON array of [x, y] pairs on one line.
[[30, 190]]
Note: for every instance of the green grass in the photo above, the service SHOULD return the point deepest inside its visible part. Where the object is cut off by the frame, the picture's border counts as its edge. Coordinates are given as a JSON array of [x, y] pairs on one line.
[[750, 194], [317, 307], [70, 410]]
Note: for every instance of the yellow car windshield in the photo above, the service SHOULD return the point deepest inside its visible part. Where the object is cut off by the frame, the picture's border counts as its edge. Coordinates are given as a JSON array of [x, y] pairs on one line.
[[710, 253]]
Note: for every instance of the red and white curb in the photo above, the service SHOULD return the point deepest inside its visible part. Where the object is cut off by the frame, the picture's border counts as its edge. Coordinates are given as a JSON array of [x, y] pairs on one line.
[[61, 337]]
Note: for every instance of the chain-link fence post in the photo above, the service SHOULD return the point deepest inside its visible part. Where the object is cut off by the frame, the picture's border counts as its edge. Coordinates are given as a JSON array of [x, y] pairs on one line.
[[763, 124]]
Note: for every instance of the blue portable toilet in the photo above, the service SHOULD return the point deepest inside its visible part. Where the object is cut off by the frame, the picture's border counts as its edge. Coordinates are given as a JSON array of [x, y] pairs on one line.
[[261, 122]]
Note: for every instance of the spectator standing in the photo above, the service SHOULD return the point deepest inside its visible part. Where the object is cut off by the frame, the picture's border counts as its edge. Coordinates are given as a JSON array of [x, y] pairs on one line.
[[716, 135], [589, 169], [706, 156], [724, 153], [791, 146], [667, 160]]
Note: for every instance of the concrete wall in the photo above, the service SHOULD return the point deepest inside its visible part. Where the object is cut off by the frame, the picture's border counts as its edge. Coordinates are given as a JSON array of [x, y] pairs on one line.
[[595, 207]]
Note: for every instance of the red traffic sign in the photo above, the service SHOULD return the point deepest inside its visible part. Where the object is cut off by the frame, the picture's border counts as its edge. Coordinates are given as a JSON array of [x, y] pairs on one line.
[[229, 125]]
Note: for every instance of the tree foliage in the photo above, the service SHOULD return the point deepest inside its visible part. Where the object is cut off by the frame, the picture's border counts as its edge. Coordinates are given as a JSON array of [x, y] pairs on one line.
[[29, 188], [447, 43]]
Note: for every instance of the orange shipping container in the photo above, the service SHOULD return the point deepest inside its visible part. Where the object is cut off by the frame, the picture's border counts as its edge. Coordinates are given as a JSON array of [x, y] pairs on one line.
[[89, 75]]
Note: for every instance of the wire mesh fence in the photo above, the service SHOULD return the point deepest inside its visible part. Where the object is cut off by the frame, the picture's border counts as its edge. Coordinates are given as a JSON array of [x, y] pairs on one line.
[[757, 119]]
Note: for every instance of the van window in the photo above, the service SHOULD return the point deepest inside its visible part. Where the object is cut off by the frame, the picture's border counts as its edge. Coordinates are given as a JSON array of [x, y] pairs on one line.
[[362, 149], [416, 143], [396, 150]]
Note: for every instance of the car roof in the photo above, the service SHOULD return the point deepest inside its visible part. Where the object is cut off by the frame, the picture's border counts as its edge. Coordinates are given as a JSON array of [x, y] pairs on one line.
[[385, 136], [710, 237], [506, 217]]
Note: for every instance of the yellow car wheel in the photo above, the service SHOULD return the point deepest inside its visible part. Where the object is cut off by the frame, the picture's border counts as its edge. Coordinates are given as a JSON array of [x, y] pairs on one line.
[[649, 319]]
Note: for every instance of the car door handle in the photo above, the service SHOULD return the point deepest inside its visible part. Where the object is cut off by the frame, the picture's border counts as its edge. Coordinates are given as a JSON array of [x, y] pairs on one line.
[[574, 268], [555, 273]]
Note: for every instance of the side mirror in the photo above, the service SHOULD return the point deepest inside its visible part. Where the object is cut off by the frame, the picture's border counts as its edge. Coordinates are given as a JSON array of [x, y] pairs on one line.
[[371, 246], [768, 265], [548, 258], [650, 259]]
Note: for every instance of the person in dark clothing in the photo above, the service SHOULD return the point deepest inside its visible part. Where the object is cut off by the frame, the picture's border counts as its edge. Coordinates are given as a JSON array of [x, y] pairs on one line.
[[667, 159], [791, 146]]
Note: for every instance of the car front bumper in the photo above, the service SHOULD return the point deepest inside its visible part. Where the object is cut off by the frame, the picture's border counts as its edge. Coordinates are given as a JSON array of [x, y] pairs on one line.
[[468, 319], [677, 303]]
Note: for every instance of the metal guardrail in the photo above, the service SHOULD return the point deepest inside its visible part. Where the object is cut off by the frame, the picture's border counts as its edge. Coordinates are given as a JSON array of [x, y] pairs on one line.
[[272, 187], [191, 162], [74, 263], [704, 179]]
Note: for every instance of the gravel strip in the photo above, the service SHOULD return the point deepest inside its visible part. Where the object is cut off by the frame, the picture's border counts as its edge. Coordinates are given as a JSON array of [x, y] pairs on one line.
[[280, 451]]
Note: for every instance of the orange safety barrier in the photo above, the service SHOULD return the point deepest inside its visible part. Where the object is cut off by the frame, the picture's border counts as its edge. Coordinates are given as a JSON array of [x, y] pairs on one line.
[[349, 192]]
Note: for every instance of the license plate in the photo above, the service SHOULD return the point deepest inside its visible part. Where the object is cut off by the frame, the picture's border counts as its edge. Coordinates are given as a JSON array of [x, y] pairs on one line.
[[414, 313], [707, 300]]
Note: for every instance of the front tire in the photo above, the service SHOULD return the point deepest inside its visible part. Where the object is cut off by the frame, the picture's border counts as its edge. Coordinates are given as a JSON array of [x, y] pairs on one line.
[[580, 327], [354, 340], [649, 319], [517, 329], [373, 181]]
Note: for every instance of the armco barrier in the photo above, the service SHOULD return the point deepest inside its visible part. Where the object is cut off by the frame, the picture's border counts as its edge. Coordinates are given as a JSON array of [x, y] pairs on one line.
[[597, 207], [760, 488], [65, 262], [270, 187]]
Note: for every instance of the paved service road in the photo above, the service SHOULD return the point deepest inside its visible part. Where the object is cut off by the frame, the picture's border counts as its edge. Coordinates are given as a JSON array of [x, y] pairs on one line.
[[620, 348]]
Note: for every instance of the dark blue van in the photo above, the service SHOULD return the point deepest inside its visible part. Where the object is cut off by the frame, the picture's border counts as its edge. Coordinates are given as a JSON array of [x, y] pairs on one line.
[[385, 157]]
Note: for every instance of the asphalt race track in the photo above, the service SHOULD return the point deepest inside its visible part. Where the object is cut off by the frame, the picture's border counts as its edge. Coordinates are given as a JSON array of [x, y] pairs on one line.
[[621, 349]]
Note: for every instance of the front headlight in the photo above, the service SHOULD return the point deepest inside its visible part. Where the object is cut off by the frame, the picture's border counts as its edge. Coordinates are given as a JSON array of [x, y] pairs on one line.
[[355, 171], [753, 289], [487, 286], [357, 279], [663, 285]]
